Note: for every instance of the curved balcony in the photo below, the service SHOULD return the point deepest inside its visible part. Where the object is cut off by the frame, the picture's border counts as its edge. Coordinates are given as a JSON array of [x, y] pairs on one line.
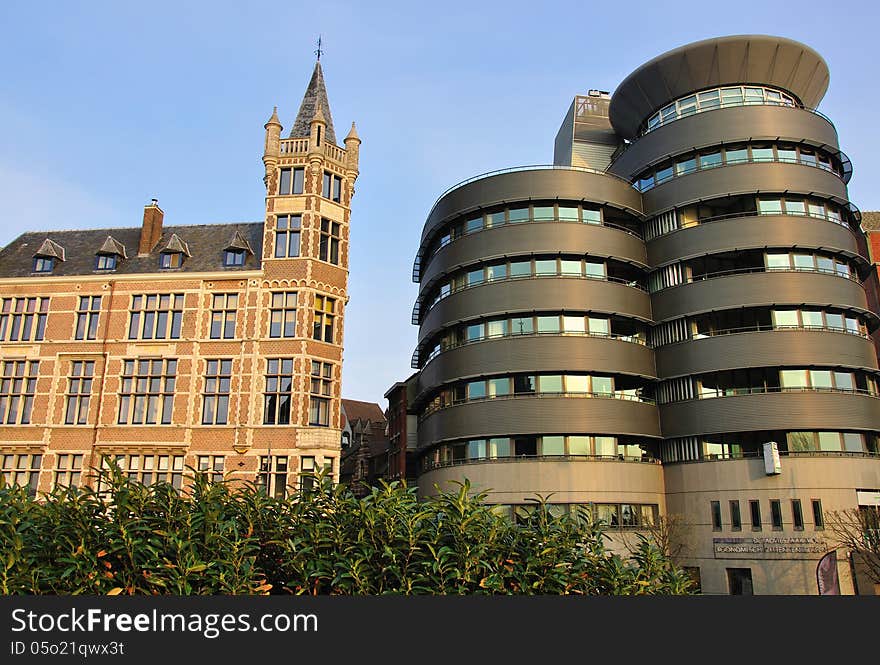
[[542, 353], [788, 410], [755, 289], [753, 232], [564, 183], [538, 413], [787, 346], [535, 238], [535, 293], [571, 480], [723, 126], [745, 178]]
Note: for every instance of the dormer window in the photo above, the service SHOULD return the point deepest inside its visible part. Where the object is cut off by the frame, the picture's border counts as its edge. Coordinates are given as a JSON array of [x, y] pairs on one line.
[[170, 260], [44, 264], [46, 256], [105, 262], [234, 257], [108, 255]]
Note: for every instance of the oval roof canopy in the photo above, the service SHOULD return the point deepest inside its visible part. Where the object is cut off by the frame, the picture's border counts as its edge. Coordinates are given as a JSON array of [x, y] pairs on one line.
[[759, 59]]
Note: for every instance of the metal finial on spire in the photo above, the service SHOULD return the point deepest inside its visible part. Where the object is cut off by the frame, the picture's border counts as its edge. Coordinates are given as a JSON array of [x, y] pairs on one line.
[[319, 51]]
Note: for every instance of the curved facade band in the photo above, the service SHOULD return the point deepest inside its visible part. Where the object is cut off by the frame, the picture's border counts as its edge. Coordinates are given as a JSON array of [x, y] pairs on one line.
[[722, 311]]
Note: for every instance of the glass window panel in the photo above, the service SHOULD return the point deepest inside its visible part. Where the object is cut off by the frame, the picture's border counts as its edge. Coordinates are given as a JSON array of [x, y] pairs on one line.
[[522, 326], [551, 383], [499, 387], [762, 154], [574, 324], [575, 383], [844, 381], [816, 209], [596, 270], [568, 214], [476, 389], [516, 215], [553, 445], [476, 449], [778, 261], [732, 96], [829, 441], [804, 262], [686, 166], [606, 446], [499, 447], [475, 277], [709, 99], [498, 271], [495, 219], [646, 182], [520, 268], [736, 155], [663, 174], [523, 384], [599, 326], [544, 213], [853, 442], [821, 378], [785, 318], [710, 160], [473, 225], [793, 378], [546, 267], [603, 385], [786, 154], [834, 321], [592, 216], [570, 267], [770, 206], [496, 328], [825, 264], [474, 332], [548, 324], [811, 318], [578, 445]]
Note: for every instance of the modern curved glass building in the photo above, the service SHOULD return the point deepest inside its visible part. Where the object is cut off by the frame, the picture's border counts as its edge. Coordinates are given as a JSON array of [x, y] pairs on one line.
[[669, 321]]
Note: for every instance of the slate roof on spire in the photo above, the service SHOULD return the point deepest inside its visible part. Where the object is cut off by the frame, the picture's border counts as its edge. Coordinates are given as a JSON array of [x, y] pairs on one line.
[[316, 96]]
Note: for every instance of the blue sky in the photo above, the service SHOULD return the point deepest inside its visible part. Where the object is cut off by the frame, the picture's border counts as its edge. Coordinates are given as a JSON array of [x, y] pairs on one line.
[[105, 105]]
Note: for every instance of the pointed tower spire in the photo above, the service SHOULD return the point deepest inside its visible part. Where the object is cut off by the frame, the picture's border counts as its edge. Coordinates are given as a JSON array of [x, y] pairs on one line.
[[315, 98]]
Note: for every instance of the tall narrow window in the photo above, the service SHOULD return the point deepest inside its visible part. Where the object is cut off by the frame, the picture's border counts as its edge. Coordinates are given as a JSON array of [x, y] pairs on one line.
[[224, 307], [287, 230], [332, 187], [146, 396], [735, 517], [320, 390], [273, 476], [282, 314], [79, 391], [170, 260], [218, 378], [277, 398], [776, 514], [755, 510], [17, 387], [156, 316], [23, 319], [329, 248], [22, 470], [818, 516], [68, 470], [322, 329], [87, 314], [716, 515], [291, 181], [211, 466], [307, 470], [797, 515]]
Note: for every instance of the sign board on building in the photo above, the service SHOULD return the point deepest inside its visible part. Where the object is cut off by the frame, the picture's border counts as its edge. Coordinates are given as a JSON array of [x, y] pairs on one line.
[[781, 547], [772, 463]]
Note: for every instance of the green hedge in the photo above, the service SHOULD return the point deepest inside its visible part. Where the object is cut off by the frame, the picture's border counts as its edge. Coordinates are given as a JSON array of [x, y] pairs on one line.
[[220, 539]]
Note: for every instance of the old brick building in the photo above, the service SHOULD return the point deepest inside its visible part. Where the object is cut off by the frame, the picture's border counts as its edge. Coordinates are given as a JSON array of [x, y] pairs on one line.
[[217, 347]]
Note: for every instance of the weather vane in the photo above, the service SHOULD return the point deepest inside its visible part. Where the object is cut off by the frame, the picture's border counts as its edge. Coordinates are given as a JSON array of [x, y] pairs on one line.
[[319, 51]]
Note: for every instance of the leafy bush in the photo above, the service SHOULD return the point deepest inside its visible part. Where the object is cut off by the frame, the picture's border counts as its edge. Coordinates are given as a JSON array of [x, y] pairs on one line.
[[219, 538]]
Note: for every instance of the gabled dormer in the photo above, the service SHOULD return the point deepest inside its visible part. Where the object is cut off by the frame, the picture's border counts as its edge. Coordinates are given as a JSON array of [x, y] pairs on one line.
[[46, 256], [236, 252], [173, 253], [109, 253]]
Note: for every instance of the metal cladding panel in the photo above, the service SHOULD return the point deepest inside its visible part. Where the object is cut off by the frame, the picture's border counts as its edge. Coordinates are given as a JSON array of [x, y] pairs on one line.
[[757, 59], [536, 294], [535, 184], [535, 238], [568, 481], [757, 289], [765, 349], [748, 178], [737, 233], [546, 414], [541, 353], [724, 126], [771, 411]]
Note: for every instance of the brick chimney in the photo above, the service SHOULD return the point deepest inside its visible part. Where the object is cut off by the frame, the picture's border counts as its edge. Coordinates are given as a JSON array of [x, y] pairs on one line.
[[151, 231]]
